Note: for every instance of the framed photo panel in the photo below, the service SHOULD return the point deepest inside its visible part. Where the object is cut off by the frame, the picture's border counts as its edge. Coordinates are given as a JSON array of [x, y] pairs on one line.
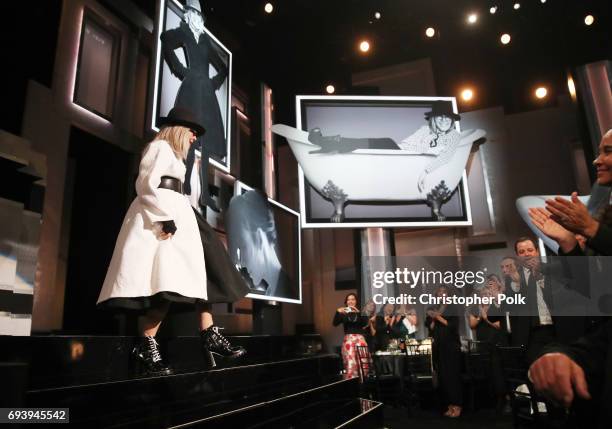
[[264, 241], [371, 161], [193, 69]]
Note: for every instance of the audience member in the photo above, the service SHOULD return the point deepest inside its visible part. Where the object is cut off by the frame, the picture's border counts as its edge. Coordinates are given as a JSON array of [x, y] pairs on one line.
[[443, 323]]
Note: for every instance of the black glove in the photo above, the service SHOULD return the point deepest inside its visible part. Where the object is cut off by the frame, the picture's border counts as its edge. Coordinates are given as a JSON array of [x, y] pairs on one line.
[[168, 227]]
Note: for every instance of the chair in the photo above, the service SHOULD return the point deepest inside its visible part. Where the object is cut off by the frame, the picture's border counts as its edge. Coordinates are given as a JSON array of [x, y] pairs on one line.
[[477, 375], [526, 403], [418, 374], [385, 388]]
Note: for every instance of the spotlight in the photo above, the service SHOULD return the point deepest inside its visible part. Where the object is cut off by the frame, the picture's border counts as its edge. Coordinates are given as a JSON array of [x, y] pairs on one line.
[[268, 8], [517, 6], [493, 10], [571, 86], [377, 15], [364, 46], [467, 94], [472, 18], [505, 38], [541, 92], [430, 32], [589, 19], [330, 89], [543, 1]]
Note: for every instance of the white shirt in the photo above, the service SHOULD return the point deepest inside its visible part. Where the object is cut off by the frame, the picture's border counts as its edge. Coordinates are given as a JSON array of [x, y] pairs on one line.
[[543, 311]]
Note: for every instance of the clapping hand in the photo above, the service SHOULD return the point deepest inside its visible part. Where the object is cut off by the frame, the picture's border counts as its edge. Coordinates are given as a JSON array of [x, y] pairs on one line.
[[573, 215]]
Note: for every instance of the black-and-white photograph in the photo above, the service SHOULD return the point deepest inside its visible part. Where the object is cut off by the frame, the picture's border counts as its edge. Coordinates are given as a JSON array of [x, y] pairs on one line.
[[264, 242], [194, 70], [380, 161]]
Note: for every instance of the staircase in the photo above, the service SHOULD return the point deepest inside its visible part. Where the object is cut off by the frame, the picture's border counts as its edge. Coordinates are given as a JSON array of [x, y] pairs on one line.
[[274, 387]]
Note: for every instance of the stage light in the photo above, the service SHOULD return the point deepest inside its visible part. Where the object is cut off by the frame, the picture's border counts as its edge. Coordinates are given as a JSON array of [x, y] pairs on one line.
[[541, 92], [472, 18], [330, 89], [430, 32], [589, 19], [364, 46], [571, 86], [493, 10], [467, 94], [517, 6], [268, 8], [505, 38], [377, 15]]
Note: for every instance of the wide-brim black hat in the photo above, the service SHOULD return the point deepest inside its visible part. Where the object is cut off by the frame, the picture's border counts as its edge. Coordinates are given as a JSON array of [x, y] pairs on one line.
[[442, 108], [183, 117]]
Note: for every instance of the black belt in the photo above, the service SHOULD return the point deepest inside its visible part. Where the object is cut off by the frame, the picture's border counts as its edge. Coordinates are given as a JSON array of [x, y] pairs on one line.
[[171, 183]]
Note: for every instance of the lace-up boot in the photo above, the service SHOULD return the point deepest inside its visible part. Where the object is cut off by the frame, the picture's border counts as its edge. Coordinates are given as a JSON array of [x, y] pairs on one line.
[[147, 361], [215, 344]]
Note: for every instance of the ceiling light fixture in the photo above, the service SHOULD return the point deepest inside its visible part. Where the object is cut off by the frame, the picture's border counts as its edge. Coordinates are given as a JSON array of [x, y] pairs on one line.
[[467, 94], [493, 10], [472, 18], [330, 89], [541, 92], [571, 87], [268, 8], [505, 38], [430, 32], [517, 6], [377, 15], [364, 46], [589, 19]]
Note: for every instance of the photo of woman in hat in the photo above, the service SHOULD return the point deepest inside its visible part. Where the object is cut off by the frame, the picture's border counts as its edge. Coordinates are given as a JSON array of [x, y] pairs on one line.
[[439, 138], [158, 257], [197, 90]]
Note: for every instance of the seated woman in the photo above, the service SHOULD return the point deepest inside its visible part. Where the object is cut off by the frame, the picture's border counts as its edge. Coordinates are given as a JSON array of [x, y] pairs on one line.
[[354, 328], [439, 138], [566, 220]]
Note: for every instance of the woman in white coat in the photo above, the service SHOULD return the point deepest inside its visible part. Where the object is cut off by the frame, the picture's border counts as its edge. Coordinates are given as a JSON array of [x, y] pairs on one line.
[[158, 256]]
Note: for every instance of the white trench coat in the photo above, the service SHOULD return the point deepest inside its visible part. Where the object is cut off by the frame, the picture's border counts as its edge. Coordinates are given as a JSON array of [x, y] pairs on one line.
[[143, 264]]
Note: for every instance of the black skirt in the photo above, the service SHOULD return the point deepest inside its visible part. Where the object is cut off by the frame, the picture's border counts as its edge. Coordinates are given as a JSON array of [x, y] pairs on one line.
[[224, 282]]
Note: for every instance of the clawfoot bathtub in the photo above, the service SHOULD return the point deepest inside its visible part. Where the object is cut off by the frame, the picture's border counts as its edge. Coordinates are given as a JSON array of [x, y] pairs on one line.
[[377, 174]]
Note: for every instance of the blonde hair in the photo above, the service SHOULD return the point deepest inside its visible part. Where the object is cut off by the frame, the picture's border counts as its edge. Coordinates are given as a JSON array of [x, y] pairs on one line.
[[178, 138]]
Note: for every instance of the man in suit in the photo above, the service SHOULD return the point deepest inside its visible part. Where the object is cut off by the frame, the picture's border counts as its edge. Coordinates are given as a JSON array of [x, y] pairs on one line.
[[534, 325]]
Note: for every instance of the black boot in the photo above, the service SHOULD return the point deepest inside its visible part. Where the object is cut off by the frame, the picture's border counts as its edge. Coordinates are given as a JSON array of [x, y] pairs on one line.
[[147, 360], [216, 344]]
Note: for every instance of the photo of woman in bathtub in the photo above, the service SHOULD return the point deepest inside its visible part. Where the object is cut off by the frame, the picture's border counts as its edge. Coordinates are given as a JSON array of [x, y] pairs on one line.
[[254, 247], [439, 138]]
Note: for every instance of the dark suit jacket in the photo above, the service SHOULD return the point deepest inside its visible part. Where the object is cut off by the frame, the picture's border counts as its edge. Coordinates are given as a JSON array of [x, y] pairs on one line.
[[524, 318], [594, 355]]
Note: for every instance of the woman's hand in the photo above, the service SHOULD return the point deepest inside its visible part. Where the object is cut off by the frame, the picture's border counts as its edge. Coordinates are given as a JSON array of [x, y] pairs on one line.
[[354, 309], [341, 310], [572, 215], [483, 314], [541, 218]]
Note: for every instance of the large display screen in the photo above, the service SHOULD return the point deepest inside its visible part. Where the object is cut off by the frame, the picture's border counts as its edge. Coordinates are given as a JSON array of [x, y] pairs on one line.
[[380, 161], [193, 69], [265, 245]]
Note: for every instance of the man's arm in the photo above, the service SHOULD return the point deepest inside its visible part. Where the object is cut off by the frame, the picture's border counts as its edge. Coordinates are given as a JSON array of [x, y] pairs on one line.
[[562, 371]]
